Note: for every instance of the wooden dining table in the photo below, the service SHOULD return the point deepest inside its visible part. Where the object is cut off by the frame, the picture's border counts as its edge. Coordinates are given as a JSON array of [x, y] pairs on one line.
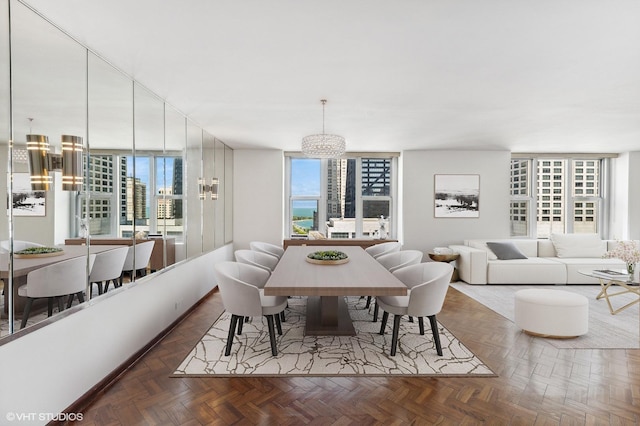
[[22, 266], [327, 285]]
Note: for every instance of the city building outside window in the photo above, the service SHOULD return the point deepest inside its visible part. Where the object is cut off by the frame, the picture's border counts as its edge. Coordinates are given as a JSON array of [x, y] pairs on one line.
[[148, 194], [341, 198], [556, 195]]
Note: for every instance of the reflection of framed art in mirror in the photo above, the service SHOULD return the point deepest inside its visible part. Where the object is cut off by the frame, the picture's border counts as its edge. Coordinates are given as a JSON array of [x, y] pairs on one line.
[[26, 202]]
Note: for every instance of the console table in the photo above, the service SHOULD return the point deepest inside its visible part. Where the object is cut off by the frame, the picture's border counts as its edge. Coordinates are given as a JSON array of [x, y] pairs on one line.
[[157, 258], [338, 242]]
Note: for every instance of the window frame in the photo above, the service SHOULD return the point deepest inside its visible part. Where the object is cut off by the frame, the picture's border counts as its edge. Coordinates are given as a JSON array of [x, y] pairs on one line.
[[322, 199]]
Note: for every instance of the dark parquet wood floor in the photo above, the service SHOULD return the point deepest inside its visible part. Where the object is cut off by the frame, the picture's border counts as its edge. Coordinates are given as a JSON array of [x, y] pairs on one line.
[[536, 385]]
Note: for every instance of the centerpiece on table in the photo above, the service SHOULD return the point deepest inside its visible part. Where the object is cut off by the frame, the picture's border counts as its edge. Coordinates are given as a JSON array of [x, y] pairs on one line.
[[39, 252], [327, 257], [628, 252]]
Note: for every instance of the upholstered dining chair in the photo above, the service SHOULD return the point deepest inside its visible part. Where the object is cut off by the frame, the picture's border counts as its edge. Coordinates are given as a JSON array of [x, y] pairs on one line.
[[137, 259], [242, 296], [394, 261], [268, 248], [107, 268], [257, 258], [427, 286], [378, 250], [67, 278]]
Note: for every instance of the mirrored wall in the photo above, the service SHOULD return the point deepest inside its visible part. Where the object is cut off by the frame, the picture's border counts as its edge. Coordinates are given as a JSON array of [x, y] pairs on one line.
[[145, 173]]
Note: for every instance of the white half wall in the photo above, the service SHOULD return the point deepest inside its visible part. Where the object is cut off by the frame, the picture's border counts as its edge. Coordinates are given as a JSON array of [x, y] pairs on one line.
[[258, 196], [47, 370], [421, 230]]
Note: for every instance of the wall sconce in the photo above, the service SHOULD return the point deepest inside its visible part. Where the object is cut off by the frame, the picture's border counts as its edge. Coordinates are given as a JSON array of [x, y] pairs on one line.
[[203, 188], [42, 162]]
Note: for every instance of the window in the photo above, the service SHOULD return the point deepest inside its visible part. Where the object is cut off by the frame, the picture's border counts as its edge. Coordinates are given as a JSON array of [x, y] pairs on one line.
[[340, 198], [577, 201], [148, 194]]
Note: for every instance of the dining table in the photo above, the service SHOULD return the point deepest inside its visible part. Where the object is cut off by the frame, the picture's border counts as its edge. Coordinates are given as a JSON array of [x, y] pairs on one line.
[[327, 285], [22, 267]]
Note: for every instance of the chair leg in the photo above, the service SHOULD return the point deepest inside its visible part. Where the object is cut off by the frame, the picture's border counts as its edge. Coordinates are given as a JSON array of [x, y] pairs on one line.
[[282, 318], [240, 324], [421, 325], [436, 334], [27, 311], [375, 312], [410, 319], [278, 324], [70, 300], [272, 335], [368, 302], [385, 318], [396, 331], [50, 306], [232, 329]]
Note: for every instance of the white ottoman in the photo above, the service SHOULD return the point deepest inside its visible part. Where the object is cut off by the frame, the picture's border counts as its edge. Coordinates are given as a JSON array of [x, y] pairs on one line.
[[551, 313]]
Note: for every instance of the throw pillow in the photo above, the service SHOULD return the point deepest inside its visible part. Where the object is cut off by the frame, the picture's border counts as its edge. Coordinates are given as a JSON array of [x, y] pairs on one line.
[[579, 245], [506, 250]]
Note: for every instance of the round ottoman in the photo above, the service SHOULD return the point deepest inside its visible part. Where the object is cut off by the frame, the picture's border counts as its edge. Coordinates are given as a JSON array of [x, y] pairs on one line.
[[551, 313]]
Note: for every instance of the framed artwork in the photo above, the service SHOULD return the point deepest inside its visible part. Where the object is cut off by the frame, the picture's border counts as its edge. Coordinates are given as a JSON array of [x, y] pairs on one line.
[[457, 196], [26, 202]]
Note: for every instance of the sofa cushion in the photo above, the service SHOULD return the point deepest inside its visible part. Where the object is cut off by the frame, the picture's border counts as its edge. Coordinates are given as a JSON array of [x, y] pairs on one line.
[[533, 270], [505, 250], [481, 245], [579, 245]]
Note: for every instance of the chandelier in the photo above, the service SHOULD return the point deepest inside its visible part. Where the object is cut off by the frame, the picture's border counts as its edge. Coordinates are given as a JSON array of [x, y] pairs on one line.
[[323, 145]]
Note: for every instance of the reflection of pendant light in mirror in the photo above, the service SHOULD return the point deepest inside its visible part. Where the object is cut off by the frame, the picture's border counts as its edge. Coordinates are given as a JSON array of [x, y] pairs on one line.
[[203, 188], [42, 162]]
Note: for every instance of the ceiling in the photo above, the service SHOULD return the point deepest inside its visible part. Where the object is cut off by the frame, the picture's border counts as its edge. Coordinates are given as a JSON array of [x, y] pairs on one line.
[[521, 75]]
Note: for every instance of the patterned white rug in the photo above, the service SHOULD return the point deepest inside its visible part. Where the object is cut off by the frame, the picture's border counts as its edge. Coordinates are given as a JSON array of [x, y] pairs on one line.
[[367, 353]]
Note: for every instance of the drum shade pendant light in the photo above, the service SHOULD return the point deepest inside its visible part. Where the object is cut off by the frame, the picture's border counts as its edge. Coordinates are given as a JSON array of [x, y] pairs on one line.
[[323, 145]]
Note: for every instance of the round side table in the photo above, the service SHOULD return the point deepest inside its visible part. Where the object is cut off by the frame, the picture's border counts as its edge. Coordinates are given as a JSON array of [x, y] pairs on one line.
[[448, 257]]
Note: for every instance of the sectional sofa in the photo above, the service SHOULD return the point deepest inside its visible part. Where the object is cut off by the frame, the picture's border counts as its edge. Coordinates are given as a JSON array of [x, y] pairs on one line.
[[544, 261]]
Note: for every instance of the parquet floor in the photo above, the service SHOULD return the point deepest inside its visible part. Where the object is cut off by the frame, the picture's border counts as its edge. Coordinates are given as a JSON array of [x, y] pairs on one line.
[[536, 385]]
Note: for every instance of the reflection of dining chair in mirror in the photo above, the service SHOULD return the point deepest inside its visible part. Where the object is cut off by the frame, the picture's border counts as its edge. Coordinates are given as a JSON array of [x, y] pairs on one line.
[[383, 248], [56, 281], [107, 268], [242, 296], [427, 284], [137, 259], [268, 248], [393, 262], [18, 245], [262, 260]]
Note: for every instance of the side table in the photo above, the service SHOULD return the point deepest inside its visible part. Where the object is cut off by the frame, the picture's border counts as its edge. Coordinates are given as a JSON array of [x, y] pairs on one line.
[[448, 257]]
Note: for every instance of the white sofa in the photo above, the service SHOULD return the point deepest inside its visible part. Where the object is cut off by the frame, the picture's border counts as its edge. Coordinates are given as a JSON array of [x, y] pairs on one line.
[[477, 263]]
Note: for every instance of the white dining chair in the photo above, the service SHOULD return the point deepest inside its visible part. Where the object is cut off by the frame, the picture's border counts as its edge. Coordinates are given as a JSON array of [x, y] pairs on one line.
[[137, 259], [392, 262], [107, 268], [427, 285], [240, 286], [67, 278], [380, 249], [256, 258], [268, 248]]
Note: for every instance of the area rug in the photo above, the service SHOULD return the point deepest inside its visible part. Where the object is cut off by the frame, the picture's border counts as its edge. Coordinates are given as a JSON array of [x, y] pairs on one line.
[[366, 354], [606, 331]]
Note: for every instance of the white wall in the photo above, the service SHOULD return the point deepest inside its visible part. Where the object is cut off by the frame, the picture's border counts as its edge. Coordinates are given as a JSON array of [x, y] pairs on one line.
[[421, 230], [258, 196], [47, 370]]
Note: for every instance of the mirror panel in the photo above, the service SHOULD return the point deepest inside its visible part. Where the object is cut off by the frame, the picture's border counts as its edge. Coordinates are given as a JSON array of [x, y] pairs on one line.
[[208, 205], [219, 204], [228, 194], [110, 112], [194, 172]]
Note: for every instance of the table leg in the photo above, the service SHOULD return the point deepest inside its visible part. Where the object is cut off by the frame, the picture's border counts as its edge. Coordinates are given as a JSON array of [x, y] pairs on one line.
[[604, 294], [328, 316]]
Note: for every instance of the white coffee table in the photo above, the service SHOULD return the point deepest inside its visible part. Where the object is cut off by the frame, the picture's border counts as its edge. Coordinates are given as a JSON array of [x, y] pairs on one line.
[[607, 283]]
